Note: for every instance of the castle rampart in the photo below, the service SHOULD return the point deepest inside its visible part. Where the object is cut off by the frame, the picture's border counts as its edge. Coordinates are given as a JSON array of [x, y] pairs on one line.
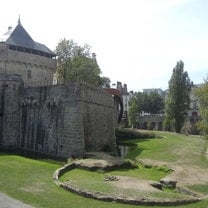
[[57, 120]]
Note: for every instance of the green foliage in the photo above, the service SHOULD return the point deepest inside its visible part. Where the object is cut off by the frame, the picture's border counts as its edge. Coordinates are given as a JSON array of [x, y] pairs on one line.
[[155, 103], [133, 110], [164, 168], [68, 49], [178, 100], [149, 103], [142, 102], [190, 127], [104, 82], [125, 134], [77, 64], [202, 95]]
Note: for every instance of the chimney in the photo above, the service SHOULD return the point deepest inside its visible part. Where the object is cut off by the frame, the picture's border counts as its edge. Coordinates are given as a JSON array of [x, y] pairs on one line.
[[119, 86], [125, 88]]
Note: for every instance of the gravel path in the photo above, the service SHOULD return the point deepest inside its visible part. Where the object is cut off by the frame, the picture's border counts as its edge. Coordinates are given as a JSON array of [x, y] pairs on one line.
[[8, 202]]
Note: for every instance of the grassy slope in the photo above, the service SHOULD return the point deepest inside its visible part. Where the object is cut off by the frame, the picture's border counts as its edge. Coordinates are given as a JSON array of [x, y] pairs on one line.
[[31, 181], [172, 148]]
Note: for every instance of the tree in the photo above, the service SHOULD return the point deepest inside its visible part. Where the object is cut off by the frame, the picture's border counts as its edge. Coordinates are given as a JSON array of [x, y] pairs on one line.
[[133, 114], [178, 100], [142, 102], [105, 82], [77, 64], [202, 95], [149, 103], [155, 103]]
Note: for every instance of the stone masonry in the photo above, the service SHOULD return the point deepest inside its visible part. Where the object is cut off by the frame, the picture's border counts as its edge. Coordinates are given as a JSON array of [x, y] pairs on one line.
[[57, 120], [32, 68]]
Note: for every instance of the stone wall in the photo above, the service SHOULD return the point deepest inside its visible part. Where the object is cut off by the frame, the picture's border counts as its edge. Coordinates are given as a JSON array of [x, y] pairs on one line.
[[31, 67], [62, 121], [151, 122], [51, 121], [98, 119]]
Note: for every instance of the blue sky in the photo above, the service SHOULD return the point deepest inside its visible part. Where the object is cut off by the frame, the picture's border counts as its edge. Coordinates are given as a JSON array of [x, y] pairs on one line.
[[137, 42]]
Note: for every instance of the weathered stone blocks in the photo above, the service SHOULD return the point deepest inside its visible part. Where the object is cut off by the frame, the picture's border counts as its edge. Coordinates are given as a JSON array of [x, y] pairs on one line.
[[58, 120]]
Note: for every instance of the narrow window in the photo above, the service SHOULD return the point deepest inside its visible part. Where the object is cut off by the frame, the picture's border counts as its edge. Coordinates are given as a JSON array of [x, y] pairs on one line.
[[29, 74]]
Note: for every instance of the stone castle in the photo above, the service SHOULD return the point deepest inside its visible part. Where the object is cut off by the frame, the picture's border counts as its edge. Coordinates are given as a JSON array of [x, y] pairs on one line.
[[36, 116]]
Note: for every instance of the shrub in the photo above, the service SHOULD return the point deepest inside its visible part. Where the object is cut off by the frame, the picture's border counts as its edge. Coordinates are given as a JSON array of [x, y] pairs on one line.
[[125, 134]]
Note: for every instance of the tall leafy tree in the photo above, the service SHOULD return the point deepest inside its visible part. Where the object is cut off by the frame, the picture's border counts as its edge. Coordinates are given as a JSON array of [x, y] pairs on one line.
[[77, 64], [178, 100], [202, 95], [133, 114]]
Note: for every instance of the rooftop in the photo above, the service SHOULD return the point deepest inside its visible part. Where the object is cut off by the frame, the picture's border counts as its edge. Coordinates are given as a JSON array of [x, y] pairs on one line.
[[18, 39]]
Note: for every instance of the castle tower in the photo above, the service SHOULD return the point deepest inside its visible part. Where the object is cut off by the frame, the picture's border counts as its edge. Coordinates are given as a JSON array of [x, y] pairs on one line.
[[10, 91], [20, 54]]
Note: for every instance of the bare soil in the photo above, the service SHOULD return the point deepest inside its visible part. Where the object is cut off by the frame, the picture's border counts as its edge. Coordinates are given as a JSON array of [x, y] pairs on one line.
[[183, 174], [125, 182]]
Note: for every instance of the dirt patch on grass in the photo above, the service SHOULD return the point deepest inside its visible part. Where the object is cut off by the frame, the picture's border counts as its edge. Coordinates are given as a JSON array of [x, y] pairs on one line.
[[125, 182], [37, 188], [181, 173]]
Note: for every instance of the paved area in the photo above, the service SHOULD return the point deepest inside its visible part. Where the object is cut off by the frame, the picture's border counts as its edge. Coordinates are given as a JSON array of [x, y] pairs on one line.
[[8, 202]]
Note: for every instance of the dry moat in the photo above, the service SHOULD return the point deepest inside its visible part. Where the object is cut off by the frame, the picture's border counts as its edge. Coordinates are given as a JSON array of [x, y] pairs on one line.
[[124, 189]]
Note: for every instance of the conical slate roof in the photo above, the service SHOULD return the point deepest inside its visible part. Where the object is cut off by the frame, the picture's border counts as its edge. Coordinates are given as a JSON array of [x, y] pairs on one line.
[[19, 37]]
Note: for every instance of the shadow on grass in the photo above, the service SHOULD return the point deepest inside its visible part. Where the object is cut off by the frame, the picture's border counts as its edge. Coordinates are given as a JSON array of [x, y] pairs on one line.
[[134, 152], [134, 149]]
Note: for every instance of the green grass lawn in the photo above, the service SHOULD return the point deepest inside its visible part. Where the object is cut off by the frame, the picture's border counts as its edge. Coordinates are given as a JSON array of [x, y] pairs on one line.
[[31, 180], [202, 188], [171, 147], [94, 181]]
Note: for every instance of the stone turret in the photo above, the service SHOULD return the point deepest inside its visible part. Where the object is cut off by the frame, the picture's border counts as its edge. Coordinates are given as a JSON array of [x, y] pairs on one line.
[[10, 90]]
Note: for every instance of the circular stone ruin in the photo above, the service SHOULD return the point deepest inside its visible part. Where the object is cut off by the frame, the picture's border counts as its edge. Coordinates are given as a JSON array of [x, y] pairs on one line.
[[122, 182]]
